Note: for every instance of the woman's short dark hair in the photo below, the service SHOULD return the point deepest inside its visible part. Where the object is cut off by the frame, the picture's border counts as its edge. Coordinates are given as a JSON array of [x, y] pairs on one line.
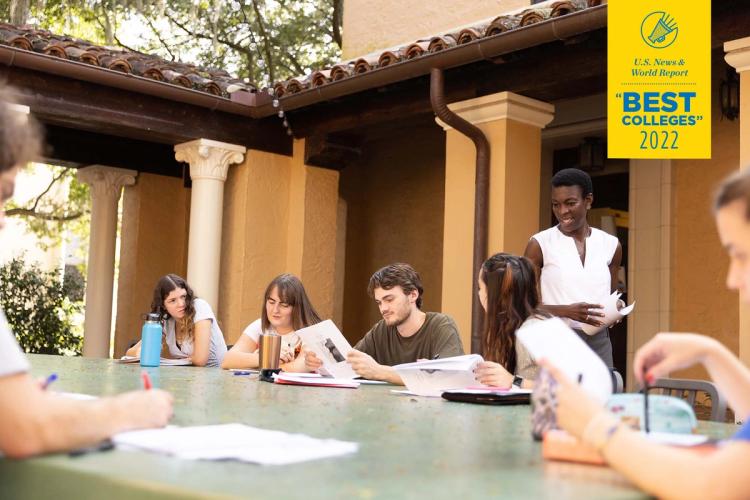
[[574, 177], [733, 188], [398, 274], [20, 135], [290, 291]]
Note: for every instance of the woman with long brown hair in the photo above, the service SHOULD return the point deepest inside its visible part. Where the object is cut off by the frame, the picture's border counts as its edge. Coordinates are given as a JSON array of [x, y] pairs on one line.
[[190, 326], [286, 309], [509, 296]]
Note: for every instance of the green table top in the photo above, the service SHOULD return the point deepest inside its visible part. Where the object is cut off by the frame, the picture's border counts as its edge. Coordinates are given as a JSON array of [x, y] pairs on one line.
[[410, 447]]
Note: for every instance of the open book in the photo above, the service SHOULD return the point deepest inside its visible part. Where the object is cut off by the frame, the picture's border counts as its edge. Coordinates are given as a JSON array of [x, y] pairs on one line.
[[433, 377], [162, 361], [330, 346]]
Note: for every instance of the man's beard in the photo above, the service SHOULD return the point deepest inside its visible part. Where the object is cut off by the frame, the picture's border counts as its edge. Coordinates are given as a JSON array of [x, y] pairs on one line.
[[400, 321]]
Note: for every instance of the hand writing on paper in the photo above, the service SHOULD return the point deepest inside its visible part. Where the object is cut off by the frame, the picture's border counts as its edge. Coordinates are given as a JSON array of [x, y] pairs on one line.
[[312, 362], [493, 374], [364, 365], [152, 408], [584, 312]]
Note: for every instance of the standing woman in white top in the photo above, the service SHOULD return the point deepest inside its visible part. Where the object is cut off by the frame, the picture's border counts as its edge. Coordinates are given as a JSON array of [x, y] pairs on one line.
[[190, 326], [578, 263], [286, 309]]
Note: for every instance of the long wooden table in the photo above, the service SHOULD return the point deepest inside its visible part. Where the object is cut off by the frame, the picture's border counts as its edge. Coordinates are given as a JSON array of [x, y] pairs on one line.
[[410, 447]]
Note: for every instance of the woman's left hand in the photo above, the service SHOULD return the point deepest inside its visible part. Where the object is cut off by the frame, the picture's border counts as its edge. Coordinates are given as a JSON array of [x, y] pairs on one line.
[[575, 408], [493, 374]]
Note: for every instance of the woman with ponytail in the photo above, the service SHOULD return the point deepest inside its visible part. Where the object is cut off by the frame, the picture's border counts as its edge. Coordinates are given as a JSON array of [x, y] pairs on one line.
[[509, 296]]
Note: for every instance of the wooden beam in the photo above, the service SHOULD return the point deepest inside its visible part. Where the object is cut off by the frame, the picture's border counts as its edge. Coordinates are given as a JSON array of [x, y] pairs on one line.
[[81, 148], [82, 105], [331, 151]]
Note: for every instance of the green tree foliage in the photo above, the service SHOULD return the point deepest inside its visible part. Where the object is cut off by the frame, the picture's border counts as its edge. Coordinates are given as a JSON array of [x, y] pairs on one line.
[[263, 41], [63, 204], [39, 308]]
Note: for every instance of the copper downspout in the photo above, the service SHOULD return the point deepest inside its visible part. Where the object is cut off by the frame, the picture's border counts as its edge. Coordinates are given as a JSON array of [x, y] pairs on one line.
[[481, 193]]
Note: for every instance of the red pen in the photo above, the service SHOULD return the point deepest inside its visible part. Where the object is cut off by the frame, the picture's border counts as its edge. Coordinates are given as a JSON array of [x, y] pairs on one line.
[[146, 380]]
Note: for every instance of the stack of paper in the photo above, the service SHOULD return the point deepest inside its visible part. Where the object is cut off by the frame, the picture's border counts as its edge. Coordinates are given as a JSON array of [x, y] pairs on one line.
[[163, 361], [235, 442], [433, 377], [314, 379], [330, 346]]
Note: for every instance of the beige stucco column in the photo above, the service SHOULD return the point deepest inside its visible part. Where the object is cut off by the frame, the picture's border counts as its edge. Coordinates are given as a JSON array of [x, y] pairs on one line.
[[512, 124], [209, 162], [738, 55], [106, 184]]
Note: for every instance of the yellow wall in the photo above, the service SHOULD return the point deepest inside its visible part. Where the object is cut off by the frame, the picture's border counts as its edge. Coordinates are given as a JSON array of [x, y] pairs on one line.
[[279, 216], [394, 203], [369, 26], [156, 213], [515, 161], [700, 300]]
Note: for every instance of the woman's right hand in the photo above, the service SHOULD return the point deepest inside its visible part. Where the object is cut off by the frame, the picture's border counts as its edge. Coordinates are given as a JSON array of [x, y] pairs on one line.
[[667, 352], [146, 409], [312, 362], [583, 312]]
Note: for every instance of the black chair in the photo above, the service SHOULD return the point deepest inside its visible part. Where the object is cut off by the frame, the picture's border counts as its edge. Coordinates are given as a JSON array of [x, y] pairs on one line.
[[688, 389]]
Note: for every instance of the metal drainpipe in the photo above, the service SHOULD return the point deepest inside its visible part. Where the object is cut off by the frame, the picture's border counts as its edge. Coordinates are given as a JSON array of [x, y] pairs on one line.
[[481, 193]]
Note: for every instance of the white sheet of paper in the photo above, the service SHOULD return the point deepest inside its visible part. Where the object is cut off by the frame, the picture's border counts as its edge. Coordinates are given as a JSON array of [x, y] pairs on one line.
[[162, 361], [554, 341], [673, 439], [328, 344], [234, 441], [304, 379], [611, 314], [433, 377]]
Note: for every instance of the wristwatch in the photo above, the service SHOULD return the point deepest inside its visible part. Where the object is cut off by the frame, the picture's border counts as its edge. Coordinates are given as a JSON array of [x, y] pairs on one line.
[[517, 381]]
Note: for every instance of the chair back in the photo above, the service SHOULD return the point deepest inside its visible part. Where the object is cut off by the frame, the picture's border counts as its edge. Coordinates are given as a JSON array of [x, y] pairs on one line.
[[688, 389], [617, 384]]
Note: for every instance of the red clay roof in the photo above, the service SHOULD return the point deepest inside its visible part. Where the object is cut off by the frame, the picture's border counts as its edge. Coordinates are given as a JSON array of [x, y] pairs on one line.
[[418, 48], [211, 81]]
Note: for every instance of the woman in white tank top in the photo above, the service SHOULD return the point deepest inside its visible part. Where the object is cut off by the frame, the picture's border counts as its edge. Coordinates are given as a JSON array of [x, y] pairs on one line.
[[578, 264]]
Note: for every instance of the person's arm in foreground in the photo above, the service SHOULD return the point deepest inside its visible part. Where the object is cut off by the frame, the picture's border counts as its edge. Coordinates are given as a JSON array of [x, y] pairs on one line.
[[33, 421], [243, 354], [721, 474], [583, 312]]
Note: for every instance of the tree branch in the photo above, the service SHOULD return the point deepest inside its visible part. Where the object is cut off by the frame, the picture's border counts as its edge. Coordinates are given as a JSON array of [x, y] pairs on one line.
[[26, 212], [158, 37], [266, 43], [52, 183], [336, 19]]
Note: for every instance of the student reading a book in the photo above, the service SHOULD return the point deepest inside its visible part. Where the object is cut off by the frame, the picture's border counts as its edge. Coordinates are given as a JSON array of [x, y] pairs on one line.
[[32, 420], [721, 474], [578, 263], [286, 308], [190, 326], [405, 334], [508, 293]]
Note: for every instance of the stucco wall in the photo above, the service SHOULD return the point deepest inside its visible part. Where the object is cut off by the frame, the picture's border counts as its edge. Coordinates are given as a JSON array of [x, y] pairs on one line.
[[369, 26], [700, 300], [155, 219], [395, 200]]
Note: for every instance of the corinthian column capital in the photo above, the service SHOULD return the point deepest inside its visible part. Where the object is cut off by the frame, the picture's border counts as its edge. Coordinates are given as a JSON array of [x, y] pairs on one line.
[[107, 181], [209, 159]]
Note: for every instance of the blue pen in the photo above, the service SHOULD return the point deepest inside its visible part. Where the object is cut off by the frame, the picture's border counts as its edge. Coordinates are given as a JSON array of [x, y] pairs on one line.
[[48, 381], [243, 373]]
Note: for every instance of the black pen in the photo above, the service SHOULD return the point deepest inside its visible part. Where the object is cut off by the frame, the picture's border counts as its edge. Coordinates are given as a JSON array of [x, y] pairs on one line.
[[645, 404], [105, 445], [436, 356]]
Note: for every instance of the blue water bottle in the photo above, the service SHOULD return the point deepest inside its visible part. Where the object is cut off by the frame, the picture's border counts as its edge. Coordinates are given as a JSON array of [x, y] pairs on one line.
[[151, 340]]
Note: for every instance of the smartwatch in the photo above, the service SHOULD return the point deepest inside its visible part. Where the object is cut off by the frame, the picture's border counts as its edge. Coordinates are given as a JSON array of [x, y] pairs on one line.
[[517, 381]]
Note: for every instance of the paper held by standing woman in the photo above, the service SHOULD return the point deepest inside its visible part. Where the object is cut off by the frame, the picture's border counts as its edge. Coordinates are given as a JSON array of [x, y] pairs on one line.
[[611, 314]]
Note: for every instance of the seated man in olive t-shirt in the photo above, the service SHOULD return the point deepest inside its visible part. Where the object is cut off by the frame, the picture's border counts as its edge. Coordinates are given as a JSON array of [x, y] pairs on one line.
[[405, 334]]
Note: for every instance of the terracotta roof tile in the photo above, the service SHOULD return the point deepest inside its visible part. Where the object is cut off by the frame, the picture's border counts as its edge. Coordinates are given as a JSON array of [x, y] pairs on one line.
[[211, 81], [445, 41]]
